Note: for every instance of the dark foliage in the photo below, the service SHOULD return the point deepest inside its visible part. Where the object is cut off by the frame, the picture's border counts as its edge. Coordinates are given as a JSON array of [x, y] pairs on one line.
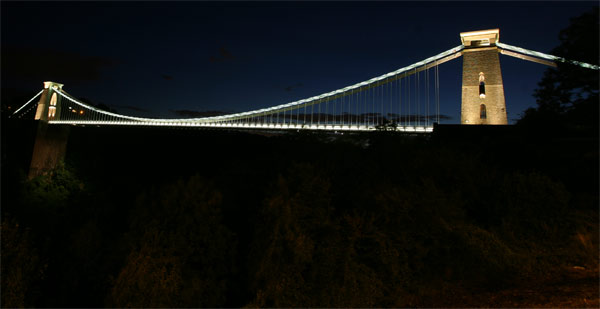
[[188, 218], [567, 96]]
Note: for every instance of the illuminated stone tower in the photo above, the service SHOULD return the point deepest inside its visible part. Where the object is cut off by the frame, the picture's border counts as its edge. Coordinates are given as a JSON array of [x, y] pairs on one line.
[[482, 88], [50, 145], [48, 107]]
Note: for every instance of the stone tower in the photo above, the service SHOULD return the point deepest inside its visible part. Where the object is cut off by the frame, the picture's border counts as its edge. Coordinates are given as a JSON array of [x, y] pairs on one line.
[[482, 88], [50, 143], [48, 107]]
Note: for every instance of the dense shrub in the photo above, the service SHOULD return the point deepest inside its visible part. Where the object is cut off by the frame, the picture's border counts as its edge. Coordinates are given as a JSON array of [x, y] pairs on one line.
[[21, 265], [181, 254], [307, 220]]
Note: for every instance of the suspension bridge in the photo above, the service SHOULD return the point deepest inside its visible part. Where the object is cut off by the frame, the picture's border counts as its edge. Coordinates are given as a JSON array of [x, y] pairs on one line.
[[404, 100]]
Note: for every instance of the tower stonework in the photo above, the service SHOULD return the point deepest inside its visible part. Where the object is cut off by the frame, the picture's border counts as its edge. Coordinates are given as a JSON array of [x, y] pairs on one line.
[[49, 105], [482, 88], [50, 145]]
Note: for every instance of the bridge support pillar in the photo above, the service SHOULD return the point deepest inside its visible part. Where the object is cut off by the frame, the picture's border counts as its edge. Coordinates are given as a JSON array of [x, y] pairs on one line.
[[482, 88], [49, 105], [50, 143], [49, 148]]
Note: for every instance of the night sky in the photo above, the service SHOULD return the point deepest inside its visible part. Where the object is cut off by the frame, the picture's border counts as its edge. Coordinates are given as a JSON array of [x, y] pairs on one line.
[[158, 59]]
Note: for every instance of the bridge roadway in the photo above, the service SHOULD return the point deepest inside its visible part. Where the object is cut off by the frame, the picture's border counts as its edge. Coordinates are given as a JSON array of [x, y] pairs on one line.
[[269, 126]]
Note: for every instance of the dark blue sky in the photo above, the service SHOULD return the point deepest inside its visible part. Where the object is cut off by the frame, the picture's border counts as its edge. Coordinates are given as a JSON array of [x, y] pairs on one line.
[[154, 58]]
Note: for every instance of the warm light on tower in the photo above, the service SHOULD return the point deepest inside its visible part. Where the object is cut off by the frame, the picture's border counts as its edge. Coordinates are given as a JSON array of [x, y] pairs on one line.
[[482, 88], [52, 107], [481, 85], [480, 38]]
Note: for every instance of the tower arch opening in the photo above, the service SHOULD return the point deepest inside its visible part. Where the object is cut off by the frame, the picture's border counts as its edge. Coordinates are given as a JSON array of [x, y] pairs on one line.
[[482, 112]]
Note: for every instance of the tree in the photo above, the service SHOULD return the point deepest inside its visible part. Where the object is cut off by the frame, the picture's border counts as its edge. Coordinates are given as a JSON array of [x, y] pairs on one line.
[[21, 265], [567, 96], [284, 244], [182, 254], [151, 277], [305, 256]]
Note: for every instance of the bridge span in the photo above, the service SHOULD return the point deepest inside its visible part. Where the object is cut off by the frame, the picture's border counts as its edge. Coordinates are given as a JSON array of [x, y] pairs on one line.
[[403, 100]]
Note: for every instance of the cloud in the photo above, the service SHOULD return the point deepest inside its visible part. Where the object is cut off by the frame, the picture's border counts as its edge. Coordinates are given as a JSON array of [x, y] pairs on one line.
[[133, 108], [288, 88], [291, 87], [197, 114], [100, 105], [415, 117], [224, 55], [403, 118], [16, 97], [42, 64], [166, 77]]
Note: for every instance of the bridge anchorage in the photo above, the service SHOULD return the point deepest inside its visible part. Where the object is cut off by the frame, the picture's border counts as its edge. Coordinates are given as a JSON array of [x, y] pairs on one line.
[[404, 100]]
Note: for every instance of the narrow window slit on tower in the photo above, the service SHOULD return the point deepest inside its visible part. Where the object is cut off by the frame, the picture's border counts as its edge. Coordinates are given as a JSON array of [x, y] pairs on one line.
[[481, 85]]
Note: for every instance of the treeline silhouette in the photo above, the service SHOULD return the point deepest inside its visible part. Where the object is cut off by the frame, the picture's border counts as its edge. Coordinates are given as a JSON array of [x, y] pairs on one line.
[[154, 217], [567, 96]]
